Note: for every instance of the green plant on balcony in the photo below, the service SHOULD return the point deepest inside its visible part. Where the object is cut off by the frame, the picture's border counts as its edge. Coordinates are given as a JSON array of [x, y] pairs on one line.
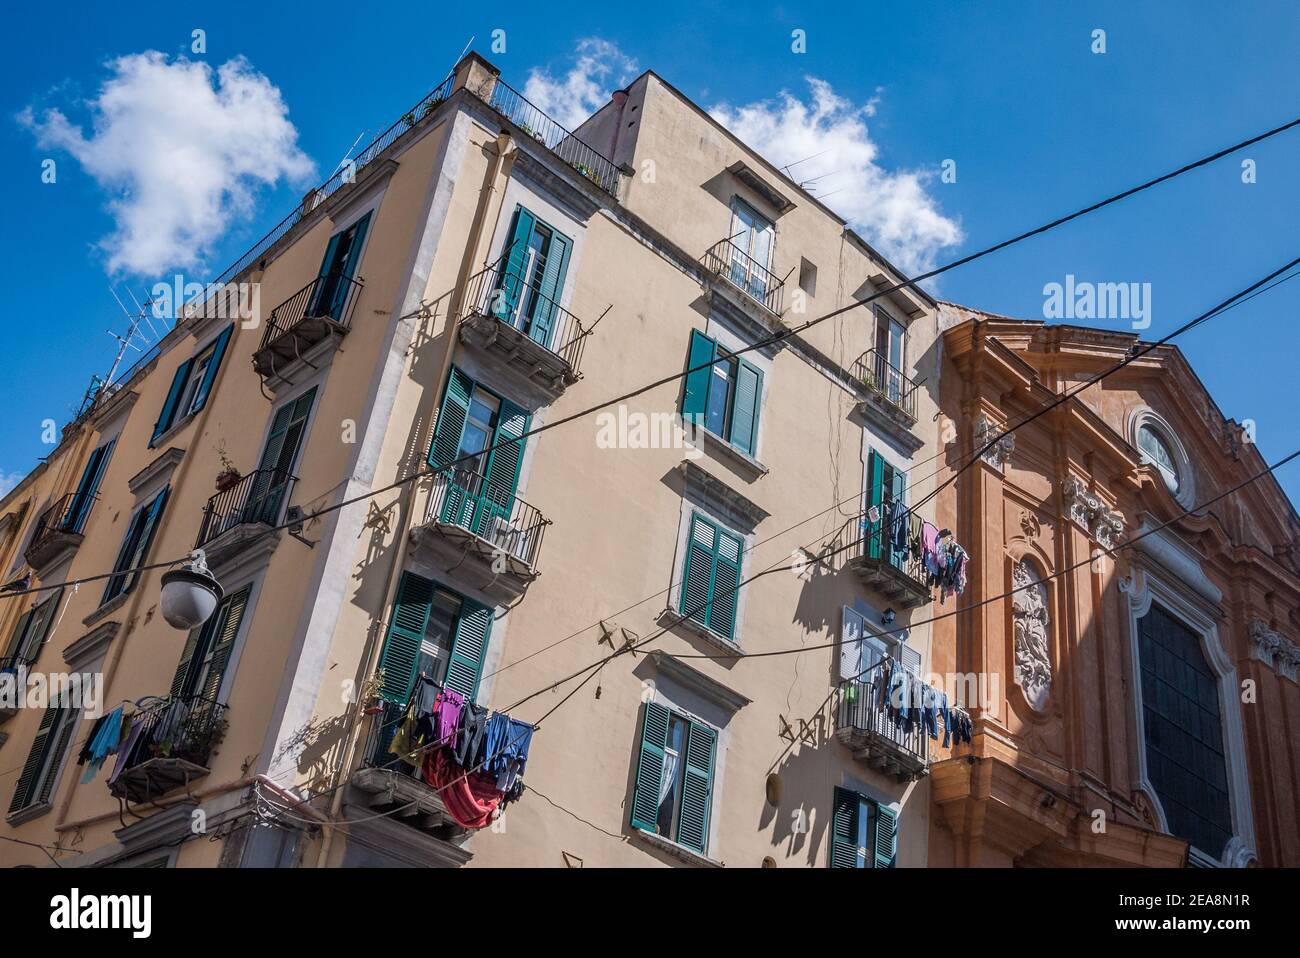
[[408, 119], [589, 173], [194, 739]]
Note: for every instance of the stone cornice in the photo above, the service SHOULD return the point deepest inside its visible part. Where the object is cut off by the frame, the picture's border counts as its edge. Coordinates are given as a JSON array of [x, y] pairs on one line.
[[1274, 649]]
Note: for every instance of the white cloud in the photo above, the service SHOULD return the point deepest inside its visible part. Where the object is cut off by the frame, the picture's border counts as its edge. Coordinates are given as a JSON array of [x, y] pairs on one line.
[[8, 480], [181, 150], [600, 69], [891, 209]]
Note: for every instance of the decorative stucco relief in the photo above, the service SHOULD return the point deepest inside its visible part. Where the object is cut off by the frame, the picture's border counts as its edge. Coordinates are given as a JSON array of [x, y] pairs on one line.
[[999, 454], [1103, 524], [1274, 649], [1031, 620]]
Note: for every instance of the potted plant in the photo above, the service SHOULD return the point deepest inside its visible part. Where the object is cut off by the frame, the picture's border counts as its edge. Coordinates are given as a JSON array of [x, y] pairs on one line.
[[229, 476]]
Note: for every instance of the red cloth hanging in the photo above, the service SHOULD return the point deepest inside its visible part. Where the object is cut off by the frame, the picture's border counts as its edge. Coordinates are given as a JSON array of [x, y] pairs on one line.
[[472, 800]]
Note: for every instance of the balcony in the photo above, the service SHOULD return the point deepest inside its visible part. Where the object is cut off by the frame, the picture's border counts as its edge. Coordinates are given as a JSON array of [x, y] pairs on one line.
[[875, 737], [243, 518], [886, 384], [173, 749], [744, 273], [536, 344], [489, 536], [566, 146], [57, 533], [896, 573], [303, 331], [392, 784]]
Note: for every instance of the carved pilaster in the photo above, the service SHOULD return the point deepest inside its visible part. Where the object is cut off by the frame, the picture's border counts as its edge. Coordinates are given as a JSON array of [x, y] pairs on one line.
[[998, 454], [1088, 511]]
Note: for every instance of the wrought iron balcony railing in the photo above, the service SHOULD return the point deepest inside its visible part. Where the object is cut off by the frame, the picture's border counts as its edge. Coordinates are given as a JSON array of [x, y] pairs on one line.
[[331, 297], [887, 381], [502, 294], [747, 274], [66, 515], [174, 745], [887, 556], [470, 501], [565, 145], [861, 716], [258, 497]]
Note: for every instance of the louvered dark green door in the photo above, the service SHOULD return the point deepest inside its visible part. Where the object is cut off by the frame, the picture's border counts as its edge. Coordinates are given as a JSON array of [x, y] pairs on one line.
[[697, 788], [279, 457], [496, 503], [711, 581], [512, 277], [848, 831], [206, 656], [457, 504], [468, 649], [87, 489]]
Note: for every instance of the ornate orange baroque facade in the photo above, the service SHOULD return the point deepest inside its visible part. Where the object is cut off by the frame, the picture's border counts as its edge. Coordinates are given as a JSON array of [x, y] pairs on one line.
[[1141, 710]]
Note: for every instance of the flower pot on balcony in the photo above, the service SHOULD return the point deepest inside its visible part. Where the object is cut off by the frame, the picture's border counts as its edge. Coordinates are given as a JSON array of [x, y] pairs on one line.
[[228, 478]]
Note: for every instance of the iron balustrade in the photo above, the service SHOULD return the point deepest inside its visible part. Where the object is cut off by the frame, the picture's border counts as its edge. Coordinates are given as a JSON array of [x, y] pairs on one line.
[[885, 380], [746, 273], [860, 710], [67, 514], [184, 727], [508, 101], [471, 501], [383, 727], [488, 293], [330, 297], [258, 497], [890, 539]]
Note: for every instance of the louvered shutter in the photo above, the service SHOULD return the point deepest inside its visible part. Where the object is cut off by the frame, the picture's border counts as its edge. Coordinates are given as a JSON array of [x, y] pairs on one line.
[[847, 848], [23, 793], [852, 630], [59, 738], [552, 287], [401, 652], [323, 295], [468, 649], [650, 768], [696, 395], [697, 788], [88, 487], [116, 585], [697, 580], [875, 531], [744, 417], [38, 628], [147, 531], [447, 432], [180, 678], [910, 658], [503, 467], [342, 284], [210, 374], [223, 644], [510, 280], [885, 845], [168, 412], [16, 641], [725, 596]]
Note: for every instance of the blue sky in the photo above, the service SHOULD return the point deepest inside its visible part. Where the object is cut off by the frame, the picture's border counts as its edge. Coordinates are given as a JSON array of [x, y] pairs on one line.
[[1036, 122]]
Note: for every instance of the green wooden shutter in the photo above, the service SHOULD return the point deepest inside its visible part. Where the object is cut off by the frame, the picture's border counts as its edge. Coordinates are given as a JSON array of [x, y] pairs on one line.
[[885, 846], [748, 398], [697, 579], [279, 457], [323, 296], [468, 649], [89, 486], [696, 395], [447, 432], [875, 531], [354, 251], [59, 738], [510, 279], [147, 531], [223, 639], [401, 653], [16, 641], [210, 374], [725, 596], [168, 412], [331, 249], [650, 768], [848, 845], [342, 284], [180, 678], [39, 622], [116, 585], [697, 788], [552, 286], [24, 793], [503, 466]]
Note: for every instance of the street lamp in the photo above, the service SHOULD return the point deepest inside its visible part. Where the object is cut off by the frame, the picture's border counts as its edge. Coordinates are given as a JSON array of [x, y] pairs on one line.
[[190, 594]]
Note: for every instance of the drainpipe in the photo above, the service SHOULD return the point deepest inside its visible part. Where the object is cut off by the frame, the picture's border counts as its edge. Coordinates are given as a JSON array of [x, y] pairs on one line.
[[503, 150]]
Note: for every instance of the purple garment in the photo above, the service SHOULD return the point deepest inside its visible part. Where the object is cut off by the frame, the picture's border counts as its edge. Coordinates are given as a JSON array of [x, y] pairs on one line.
[[450, 705], [127, 747]]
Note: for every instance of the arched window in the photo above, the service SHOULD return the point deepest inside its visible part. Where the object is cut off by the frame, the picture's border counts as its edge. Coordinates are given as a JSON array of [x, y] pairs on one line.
[[1157, 451]]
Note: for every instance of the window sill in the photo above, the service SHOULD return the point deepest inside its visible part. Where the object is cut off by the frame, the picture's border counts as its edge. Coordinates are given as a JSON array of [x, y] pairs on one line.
[[108, 608], [718, 445], [31, 812], [172, 430], [669, 618], [690, 856]]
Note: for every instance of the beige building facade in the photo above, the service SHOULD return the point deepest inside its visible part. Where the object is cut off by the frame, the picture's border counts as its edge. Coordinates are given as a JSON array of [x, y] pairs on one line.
[[346, 458]]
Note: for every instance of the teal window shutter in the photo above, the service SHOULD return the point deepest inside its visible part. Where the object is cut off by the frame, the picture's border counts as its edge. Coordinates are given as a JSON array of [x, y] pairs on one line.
[[650, 768], [135, 546], [401, 654], [447, 432], [711, 578], [726, 585], [331, 252], [744, 419], [503, 465], [354, 251], [469, 648], [885, 847], [551, 289], [696, 395], [18, 640], [203, 665], [37, 778], [697, 788], [510, 280], [34, 628], [210, 374], [173, 399], [88, 487], [848, 830], [874, 532]]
